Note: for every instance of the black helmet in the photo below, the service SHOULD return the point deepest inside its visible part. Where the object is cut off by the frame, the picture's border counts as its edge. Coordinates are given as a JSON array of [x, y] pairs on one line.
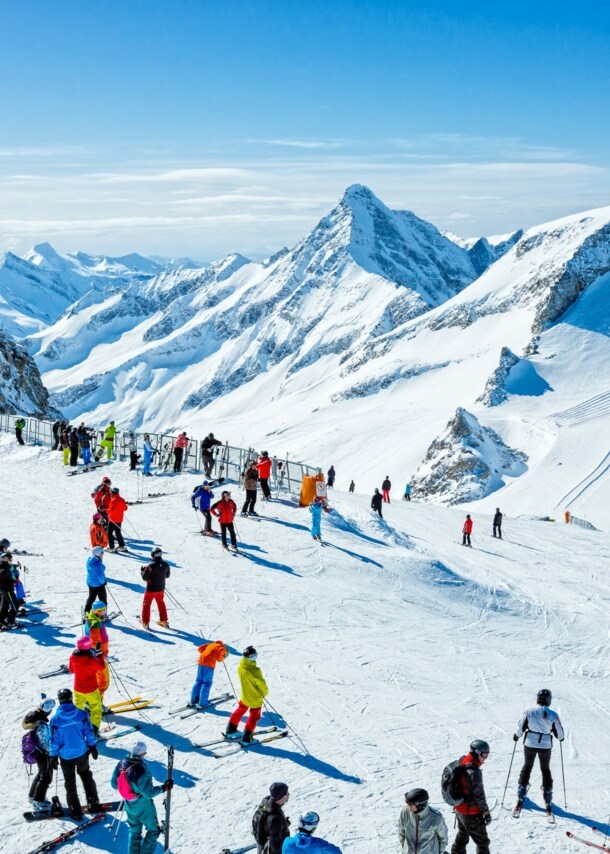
[[157, 552], [418, 797], [249, 652], [479, 746], [264, 453], [114, 490], [4, 543], [544, 697], [64, 695]]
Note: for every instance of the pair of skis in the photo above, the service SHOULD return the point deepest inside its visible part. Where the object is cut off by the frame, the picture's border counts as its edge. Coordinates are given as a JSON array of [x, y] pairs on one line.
[[192, 710], [111, 806], [133, 704], [588, 843], [275, 735], [110, 736]]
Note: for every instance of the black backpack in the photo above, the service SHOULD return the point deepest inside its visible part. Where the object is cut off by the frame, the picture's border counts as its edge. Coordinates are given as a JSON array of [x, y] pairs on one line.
[[259, 822], [451, 783]]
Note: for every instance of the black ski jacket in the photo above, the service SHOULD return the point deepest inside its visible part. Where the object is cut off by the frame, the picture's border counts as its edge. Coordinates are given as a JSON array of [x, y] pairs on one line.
[[498, 518], [277, 827], [154, 575], [377, 501]]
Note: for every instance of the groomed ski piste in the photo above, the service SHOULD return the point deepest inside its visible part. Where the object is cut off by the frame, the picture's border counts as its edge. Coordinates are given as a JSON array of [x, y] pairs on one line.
[[387, 649]]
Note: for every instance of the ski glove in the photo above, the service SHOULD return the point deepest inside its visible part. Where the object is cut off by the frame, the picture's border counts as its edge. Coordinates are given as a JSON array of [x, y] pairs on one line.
[[487, 817], [54, 762], [516, 737], [93, 752], [169, 784]]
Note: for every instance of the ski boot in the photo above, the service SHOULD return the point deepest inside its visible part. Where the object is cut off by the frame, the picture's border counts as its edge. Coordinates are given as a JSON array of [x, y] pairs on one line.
[[243, 513], [164, 623], [231, 730], [75, 812], [122, 549], [56, 808], [41, 807], [253, 513], [247, 737], [548, 802]]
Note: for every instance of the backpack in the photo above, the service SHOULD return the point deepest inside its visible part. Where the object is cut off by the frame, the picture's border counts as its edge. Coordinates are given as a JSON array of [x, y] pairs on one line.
[[451, 788], [259, 823], [123, 785], [29, 747]]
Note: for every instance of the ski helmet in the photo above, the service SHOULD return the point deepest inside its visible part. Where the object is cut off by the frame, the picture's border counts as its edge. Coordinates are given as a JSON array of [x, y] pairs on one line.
[[64, 695], [478, 747], [418, 797], [156, 552], [115, 490], [98, 605], [139, 748], [97, 517], [98, 551], [47, 704], [250, 652], [544, 697], [106, 480], [4, 543], [309, 821], [84, 643], [264, 453]]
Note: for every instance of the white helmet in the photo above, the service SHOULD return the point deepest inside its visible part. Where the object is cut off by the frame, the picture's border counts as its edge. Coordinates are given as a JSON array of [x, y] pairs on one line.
[[309, 821]]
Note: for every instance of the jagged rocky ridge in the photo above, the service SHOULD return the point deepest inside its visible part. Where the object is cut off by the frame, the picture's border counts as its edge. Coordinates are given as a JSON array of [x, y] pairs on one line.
[[21, 389]]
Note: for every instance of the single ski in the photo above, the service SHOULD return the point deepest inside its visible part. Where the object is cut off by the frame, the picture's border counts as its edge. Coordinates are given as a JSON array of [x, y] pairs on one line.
[[52, 844], [25, 552], [587, 842], [168, 796], [88, 467], [213, 702], [517, 809], [119, 733], [227, 739], [254, 743], [139, 702], [63, 668], [191, 711], [111, 806], [241, 850]]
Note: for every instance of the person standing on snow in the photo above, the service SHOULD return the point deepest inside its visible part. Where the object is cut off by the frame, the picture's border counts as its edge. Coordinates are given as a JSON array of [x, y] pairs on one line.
[[180, 444], [253, 692], [385, 489], [56, 433], [117, 507], [8, 601], [539, 724], [376, 501], [473, 814], [330, 477], [467, 531], [264, 466], [85, 663], [74, 445], [303, 839], [407, 492], [201, 499], [225, 510], [64, 443], [72, 742], [19, 428], [84, 440], [149, 453], [96, 578], [352, 486], [421, 828], [207, 453], [250, 484], [210, 654], [133, 780], [132, 444], [155, 575], [316, 518], [497, 524], [97, 532], [35, 746], [95, 629], [101, 497], [270, 825], [107, 442]]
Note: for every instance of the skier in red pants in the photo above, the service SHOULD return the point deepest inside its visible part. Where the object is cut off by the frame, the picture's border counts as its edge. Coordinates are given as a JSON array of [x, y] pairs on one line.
[[154, 575], [253, 692], [385, 489]]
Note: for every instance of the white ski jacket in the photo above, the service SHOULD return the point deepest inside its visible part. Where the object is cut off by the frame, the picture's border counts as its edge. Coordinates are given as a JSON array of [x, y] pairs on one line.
[[422, 833], [539, 723]]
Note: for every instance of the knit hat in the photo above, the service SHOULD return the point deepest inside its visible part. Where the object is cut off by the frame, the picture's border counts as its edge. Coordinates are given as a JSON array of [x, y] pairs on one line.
[[139, 749], [278, 790], [84, 643]]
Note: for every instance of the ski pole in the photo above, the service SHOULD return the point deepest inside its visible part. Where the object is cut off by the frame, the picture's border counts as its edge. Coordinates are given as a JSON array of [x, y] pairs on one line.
[[229, 678], [267, 703], [128, 695], [175, 601], [198, 520], [133, 529], [508, 776], [118, 607], [563, 776], [116, 819]]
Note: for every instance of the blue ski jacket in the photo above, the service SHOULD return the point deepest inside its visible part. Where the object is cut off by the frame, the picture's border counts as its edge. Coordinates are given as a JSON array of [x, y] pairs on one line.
[[96, 572], [71, 732], [202, 498], [303, 842]]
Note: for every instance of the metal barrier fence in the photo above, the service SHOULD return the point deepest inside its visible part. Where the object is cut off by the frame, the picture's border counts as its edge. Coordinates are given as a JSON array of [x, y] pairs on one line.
[[229, 461], [582, 523]]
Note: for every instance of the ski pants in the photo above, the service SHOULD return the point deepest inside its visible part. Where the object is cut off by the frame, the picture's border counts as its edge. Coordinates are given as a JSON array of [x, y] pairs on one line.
[[265, 487], [407, 496], [103, 679], [208, 520], [498, 531], [470, 827], [386, 495], [18, 435], [8, 611], [55, 441], [133, 460], [141, 814], [147, 462], [66, 451], [43, 778], [93, 700], [316, 528], [114, 530], [178, 452], [466, 540], [86, 454], [230, 527], [208, 463], [80, 766], [253, 717], [95, 593], [149, 598], [73, 455], [109, 445], [200, 692], [544, 756], [250, 501]]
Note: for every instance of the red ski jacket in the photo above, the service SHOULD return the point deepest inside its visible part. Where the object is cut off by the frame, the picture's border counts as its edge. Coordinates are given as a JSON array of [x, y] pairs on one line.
[[467, 529], [116, 509], [264, 467], [101, 498], [225, 510], [85, 667], [474, 801]]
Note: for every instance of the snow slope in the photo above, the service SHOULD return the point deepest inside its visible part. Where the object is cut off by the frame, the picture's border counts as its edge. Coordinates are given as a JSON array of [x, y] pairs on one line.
[[387, 649]]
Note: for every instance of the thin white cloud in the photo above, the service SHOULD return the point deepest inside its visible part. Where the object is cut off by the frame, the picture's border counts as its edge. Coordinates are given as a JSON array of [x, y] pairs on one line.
[[306, 143]]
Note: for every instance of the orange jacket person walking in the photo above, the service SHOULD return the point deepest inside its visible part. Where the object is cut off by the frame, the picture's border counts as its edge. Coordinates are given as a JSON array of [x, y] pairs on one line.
[[117, 507], [467, 531], [97, 532], [253, 692], [210, 654]]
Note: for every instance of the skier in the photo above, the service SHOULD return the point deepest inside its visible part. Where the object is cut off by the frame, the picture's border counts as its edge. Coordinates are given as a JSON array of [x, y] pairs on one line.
[[316, 518], [376, 501], [539, 723], [352, 486], [97, 532], [207, 453], [117, 507], [407, 492], [270, 825], [72, 742], [263, 466], [225, 510], [421, 828], [202, 498], [180, 444], [64, 443], [303, 840], [210, 654], [467, 531], [497, 525], [96, 578], [250, 484], [19, 427], [385, 489], [253, 692], [133, 780], [8, 604], [101, 497], [85, 663], [35, 746], [107, 442], [330, 477], [132, 444], [84, 440], [56, 433], [95, 629], [473, 814], [74, 446], [154, 574], [149, 453]]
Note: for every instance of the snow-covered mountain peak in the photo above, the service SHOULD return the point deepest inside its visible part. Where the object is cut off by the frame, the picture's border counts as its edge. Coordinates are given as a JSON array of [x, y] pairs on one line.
[[44, 255]]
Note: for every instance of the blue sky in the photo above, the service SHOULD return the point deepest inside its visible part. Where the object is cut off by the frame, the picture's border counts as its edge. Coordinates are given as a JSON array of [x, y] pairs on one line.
[[204, 127]]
